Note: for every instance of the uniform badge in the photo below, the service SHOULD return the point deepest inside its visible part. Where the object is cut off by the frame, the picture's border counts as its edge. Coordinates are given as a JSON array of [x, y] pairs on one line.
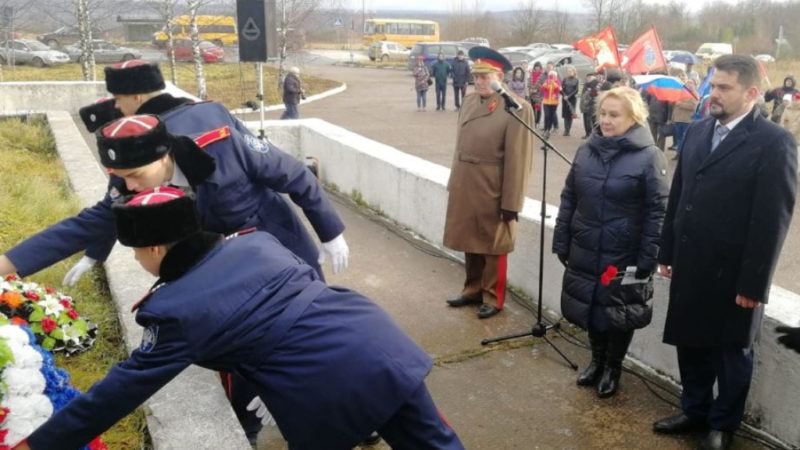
[[493, 104], [663, 171], [255, 144], [149, 338], [112, 155], [92, 118]]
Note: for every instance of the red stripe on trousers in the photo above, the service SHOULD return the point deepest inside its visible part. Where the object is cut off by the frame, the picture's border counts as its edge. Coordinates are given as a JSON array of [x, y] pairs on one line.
[[500, 287], [441, 416]]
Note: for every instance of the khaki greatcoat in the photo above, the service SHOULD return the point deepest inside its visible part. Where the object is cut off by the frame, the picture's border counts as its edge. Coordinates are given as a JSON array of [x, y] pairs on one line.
[[490, 170]]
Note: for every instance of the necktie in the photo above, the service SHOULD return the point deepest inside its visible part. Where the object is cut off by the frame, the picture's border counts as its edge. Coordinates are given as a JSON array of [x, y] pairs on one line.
[[719, 133]]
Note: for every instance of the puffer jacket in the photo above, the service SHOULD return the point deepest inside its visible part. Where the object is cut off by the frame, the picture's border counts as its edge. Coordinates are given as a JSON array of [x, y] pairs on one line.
[[612, 209]]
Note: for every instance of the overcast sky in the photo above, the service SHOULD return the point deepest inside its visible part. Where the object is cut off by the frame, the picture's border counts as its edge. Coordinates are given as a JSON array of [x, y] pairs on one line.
[[492, 5]]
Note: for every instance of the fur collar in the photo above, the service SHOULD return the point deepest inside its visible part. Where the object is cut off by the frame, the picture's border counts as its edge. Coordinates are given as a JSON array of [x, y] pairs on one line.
[[186, 254], [193, 161], [162, 103]]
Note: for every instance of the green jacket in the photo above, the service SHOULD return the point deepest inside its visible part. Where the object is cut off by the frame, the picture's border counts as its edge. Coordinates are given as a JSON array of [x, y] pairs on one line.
[[440, 70]]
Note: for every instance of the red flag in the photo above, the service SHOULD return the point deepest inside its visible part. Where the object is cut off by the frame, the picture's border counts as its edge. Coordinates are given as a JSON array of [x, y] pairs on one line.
[[644, 55], [601, 47]]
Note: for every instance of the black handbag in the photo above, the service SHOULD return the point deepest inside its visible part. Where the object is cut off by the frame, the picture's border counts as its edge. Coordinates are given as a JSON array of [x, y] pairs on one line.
[[430, 82]]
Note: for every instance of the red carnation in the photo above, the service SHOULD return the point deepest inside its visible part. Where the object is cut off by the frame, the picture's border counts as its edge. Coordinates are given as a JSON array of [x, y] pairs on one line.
[[65, 303], [72, 314], [612, 271], [50, 290], [48, 324], [30, 295], [97, 444], [609, 275], [3, 434], [12, 278], [3, 414]]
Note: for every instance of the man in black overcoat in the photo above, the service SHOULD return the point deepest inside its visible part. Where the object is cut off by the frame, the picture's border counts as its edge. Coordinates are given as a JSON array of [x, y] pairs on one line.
[[729, 209]]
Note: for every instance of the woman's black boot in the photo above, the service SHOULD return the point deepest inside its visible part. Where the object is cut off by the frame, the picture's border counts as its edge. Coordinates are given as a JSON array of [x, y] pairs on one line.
[[618, 342], [591, 374]]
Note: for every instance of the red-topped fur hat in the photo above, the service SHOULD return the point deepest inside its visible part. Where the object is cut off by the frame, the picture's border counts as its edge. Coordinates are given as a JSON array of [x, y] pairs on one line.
[[158, 216], [133, 141], [133, 77]]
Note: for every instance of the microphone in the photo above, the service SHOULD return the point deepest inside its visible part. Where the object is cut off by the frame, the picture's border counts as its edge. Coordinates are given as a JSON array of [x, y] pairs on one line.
[[510, 101]]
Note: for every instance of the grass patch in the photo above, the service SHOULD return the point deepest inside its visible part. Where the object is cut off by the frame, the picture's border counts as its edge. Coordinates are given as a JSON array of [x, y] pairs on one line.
[[228, 83], [35, 193]]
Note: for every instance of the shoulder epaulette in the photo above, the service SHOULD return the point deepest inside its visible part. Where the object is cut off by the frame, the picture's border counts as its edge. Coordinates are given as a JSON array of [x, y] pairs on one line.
[[212, 136]]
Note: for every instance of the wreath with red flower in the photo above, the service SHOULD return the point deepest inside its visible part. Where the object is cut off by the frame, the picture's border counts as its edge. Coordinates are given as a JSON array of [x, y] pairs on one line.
[[50, 314]]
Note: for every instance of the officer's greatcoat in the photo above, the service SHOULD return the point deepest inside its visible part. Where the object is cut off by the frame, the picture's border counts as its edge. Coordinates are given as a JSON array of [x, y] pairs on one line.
[[489, 173]]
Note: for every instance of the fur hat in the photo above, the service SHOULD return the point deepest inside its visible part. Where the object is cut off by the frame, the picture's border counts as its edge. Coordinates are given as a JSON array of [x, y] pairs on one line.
[[133, 141], [99, 113], [134, 77], [158, 216]]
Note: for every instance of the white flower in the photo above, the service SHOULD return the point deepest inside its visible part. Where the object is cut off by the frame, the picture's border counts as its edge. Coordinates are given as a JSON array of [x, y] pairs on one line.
[[24, 382], [14, 333], [29, 286], [71, 334], [5, 285], [52, 307], [26, 357], [26, 414]]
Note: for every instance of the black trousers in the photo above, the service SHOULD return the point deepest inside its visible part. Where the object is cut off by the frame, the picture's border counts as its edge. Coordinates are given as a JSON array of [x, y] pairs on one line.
[[240, 393], [550, 117], [731, 367], [441, 94], [459, 92]]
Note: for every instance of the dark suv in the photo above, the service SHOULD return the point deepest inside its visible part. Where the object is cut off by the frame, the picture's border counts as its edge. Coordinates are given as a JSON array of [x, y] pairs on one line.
[[65, 36], [430, 50]]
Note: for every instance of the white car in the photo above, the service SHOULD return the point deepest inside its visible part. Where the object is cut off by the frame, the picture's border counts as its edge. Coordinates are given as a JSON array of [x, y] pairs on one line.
[[26, 51]]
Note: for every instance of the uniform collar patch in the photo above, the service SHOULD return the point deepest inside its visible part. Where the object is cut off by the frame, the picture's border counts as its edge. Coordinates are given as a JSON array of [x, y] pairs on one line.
[[149, 339], [493, 104]]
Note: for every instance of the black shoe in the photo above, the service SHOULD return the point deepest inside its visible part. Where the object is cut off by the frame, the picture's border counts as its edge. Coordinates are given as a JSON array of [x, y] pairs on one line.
[[591, 374], [678, 424], [716, 440], [485, 311], [464, 301], [373, 439], [609, 382], [566, 133]]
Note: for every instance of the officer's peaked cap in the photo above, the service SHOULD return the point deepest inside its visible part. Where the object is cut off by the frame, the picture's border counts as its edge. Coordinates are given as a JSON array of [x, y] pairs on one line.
[[158, 216], [487, 60], [133, 141], [133, 77]]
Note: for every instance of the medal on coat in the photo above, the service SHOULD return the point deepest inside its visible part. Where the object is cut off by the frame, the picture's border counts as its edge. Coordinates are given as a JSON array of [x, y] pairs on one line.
[[493, 104]]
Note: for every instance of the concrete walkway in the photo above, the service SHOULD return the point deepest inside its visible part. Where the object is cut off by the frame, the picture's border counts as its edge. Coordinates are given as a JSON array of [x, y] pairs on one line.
[[519, 395]]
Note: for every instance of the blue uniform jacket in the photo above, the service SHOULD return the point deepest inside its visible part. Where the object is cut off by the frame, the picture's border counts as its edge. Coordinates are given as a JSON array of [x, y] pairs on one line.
[[238, 181], [330, 365]]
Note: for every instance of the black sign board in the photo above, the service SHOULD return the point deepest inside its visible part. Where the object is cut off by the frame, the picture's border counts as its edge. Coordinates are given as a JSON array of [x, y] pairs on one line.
[[251, 22]]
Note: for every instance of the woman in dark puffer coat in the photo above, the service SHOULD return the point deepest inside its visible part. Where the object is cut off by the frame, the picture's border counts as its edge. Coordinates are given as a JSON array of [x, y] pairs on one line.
[[611, 212]]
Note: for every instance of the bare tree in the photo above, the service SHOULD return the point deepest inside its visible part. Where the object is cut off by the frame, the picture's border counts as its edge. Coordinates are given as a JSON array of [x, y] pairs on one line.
[[293, 15], [85, 33], [167, 10], [560, 26], [194, 6], [528, 22]]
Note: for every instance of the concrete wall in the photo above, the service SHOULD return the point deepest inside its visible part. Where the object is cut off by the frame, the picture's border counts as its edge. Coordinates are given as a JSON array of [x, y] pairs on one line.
[[412, 191], [191, 411]]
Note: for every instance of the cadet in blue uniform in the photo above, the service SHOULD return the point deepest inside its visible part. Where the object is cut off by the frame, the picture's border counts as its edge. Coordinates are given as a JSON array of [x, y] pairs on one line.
[[137, 89], [330, 365], [238, 181]]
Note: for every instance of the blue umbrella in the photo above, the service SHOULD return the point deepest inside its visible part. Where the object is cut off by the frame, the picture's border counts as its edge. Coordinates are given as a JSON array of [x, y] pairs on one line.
[[685, 58]]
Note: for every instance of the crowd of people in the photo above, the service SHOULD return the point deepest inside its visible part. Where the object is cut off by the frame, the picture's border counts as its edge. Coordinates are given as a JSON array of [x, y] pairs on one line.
[[187, 179]]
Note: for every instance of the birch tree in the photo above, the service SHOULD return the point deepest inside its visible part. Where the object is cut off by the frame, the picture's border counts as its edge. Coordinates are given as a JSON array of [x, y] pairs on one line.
[[194, 6], [85, 33]]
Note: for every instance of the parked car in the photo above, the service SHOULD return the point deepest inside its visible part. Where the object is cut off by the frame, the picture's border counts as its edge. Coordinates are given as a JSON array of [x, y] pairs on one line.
[[27, 51], [430, 50], [104, 52], [65, 36], [711, 50], [582, 63], [765, 58], [564, 47], [476, 41], [386, 51], [541, 45], [210, 52]]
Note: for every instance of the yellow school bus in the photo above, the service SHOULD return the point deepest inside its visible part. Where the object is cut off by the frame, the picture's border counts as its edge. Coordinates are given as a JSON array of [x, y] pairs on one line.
[[220, 30], [403, 31]]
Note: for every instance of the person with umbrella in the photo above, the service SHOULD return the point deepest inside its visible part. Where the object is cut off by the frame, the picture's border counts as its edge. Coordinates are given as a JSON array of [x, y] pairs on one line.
[[689, 60]]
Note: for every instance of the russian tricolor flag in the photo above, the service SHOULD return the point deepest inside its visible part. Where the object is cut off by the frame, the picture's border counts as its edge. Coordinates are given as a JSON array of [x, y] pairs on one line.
[[665, 88]]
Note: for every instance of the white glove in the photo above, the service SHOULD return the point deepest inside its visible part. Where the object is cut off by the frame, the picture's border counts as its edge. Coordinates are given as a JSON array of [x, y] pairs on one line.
[[261, 411], [338, 251], [80, 268]]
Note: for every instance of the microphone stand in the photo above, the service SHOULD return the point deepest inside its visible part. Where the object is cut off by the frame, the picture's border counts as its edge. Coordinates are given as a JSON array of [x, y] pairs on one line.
[[539, 329]]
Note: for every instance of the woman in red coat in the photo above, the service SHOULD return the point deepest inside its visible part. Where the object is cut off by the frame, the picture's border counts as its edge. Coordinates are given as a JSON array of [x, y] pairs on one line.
[[550, 95]]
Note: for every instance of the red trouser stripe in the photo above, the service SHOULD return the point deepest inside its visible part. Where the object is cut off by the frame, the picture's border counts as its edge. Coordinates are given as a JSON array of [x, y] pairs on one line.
[[227, 384], [441, 416], [500, 287]]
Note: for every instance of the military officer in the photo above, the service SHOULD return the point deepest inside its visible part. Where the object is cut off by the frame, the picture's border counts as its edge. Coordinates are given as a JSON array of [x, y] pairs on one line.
[[487, 183], [330, 365]]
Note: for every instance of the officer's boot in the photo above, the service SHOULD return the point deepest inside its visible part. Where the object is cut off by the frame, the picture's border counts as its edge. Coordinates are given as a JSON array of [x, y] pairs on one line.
[[591, 374], [618, 342]]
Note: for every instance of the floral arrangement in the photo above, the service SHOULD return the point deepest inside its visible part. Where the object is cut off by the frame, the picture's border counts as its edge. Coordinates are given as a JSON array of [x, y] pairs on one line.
[[50, 314], [31, 387]]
